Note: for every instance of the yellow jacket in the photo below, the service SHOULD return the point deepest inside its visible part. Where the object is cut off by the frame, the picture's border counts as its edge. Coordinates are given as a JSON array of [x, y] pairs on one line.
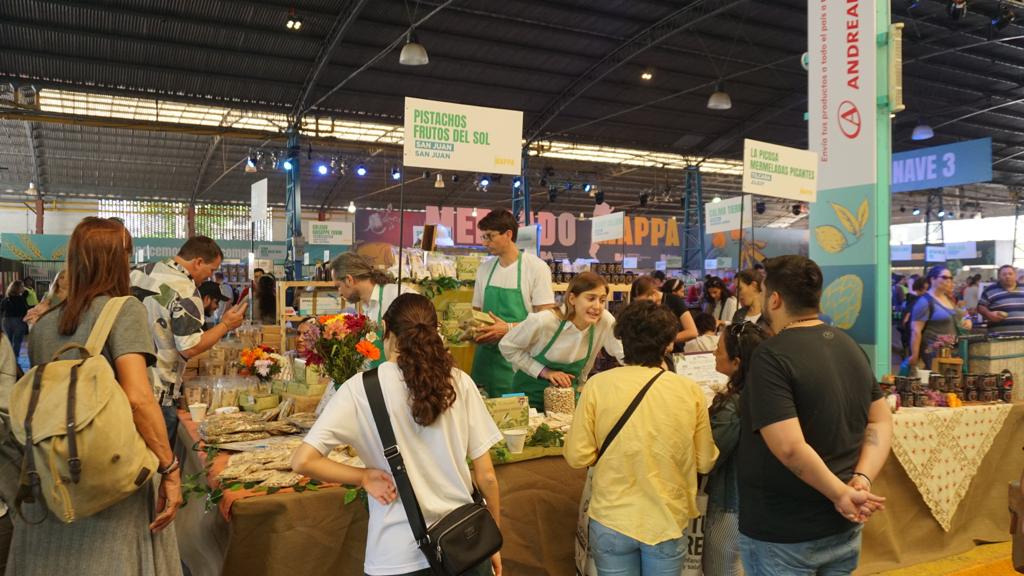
[[645, 486]]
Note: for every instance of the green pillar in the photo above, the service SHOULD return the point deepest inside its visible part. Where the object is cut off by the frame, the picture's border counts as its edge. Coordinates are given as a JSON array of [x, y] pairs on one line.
[[849, 128]]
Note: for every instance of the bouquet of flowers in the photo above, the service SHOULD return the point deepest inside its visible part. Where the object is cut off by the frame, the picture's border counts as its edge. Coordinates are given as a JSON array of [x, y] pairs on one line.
[[262, 361], [942, 342], [341, 345]]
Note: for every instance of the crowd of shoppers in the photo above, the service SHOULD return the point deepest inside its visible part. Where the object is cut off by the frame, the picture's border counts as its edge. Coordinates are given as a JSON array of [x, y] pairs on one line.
[[790, 444]]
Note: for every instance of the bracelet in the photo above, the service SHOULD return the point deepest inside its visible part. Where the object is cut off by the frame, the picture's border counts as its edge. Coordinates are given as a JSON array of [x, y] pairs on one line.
[[174, 465], [863, 475]]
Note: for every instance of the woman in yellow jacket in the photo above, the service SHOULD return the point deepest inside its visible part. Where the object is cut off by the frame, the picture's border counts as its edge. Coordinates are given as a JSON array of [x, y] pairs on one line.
[[644, 488]]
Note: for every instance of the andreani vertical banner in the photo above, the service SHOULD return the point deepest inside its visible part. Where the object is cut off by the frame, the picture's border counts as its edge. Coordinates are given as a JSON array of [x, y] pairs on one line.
[[847, 73]]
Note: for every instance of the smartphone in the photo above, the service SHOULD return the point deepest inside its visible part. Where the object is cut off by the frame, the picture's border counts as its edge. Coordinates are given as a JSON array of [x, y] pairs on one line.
[[243, 296]]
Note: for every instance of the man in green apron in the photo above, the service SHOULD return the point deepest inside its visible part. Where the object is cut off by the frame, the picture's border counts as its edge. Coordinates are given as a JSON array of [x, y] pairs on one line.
[[508, 287], [534, 387]]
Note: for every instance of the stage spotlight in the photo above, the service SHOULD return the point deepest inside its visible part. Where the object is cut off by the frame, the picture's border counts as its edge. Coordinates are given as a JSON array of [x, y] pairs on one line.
[[587, 187], [552, 193], [485, 181], [644, 197], [287, 164], [396, 174], [942, 214], [517, 182], [796, 209], [598, 198], [361, 170], [322, 169], [916, 211], [760, 207]]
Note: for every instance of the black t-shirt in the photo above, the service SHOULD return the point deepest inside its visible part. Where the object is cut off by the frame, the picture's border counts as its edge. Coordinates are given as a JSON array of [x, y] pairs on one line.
[[822, 377], [676, 304]]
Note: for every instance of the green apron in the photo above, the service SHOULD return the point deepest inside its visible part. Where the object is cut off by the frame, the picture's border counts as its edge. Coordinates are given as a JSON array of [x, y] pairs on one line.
[[380, 330], [534, 387], [490, 369]]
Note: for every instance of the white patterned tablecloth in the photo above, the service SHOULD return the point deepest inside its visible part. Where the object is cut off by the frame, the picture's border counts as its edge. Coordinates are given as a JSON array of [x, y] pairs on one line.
[[941, 449]]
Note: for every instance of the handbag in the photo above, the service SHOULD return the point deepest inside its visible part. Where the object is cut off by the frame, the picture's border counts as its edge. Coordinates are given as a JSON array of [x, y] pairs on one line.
[[461, 540], [584, 559]]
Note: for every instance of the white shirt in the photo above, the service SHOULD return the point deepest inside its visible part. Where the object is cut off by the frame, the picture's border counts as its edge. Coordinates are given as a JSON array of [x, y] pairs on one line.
[[724, 312], [536, 280], [702, 343], [377, 306], [530, 337], [435, 458]]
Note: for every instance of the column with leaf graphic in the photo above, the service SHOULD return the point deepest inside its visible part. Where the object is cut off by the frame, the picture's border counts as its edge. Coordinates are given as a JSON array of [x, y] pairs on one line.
[[848, 127]]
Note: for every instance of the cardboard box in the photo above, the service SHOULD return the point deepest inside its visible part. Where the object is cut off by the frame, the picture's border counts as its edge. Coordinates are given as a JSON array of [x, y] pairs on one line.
[[509, 413]]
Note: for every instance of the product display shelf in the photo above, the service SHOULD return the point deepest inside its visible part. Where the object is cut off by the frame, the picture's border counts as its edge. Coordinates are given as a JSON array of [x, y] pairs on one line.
[[300, 286], [612, 288]]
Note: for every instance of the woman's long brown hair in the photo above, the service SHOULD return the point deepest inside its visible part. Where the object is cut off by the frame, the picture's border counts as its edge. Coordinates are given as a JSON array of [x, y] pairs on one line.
[[97, 265], [425, 363]]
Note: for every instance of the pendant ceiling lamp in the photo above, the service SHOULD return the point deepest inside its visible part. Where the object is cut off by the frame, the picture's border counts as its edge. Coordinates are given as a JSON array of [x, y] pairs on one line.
[[720, 99], [413, 53]]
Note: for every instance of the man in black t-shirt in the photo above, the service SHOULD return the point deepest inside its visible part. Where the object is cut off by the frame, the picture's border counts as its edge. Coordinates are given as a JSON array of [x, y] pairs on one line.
[[815, 431]]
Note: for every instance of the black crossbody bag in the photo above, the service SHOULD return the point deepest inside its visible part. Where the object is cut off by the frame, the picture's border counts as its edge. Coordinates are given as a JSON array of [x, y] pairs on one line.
[[461, 540]]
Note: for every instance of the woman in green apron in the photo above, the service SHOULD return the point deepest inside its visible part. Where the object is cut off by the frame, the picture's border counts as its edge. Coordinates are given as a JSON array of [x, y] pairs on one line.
[[359, 281], [490, 369], [558, 347]]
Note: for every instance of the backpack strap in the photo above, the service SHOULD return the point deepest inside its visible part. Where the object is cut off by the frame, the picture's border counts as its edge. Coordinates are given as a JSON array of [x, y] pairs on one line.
[[105, 322], [30, 487]]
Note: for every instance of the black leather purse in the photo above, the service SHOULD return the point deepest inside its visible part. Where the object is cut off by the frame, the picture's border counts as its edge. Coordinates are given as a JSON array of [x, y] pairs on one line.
[[457, 543]]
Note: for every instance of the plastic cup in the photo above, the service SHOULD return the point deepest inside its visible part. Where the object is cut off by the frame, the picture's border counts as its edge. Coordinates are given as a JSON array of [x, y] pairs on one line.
[[198, 412], [515, 439]]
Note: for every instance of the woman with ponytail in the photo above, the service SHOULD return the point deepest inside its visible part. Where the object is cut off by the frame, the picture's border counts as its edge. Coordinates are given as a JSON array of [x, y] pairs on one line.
[[439, 421], [557, 347]]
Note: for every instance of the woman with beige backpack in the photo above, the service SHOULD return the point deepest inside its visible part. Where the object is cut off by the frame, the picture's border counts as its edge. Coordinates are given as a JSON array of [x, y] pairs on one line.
[[59, 528]]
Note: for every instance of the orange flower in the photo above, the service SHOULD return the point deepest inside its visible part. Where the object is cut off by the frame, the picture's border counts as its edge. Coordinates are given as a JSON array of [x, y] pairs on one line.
[[368, 350]]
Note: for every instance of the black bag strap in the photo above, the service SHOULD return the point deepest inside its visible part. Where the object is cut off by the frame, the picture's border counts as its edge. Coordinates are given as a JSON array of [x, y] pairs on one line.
[[625, 416], [374, 394]]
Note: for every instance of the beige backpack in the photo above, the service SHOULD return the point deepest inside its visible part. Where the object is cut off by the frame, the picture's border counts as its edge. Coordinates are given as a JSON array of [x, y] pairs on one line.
[[82, 451]]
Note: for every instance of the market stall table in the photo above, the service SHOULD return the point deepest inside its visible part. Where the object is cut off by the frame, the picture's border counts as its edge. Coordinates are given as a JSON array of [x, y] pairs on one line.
[[315, 533], [956, 509]]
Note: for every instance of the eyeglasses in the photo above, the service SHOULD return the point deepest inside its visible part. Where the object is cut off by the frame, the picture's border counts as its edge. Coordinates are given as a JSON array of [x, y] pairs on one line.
[[946, 277], [488, 236]]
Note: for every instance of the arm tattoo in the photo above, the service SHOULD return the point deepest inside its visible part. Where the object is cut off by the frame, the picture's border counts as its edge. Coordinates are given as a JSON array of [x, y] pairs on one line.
[[871, 437]]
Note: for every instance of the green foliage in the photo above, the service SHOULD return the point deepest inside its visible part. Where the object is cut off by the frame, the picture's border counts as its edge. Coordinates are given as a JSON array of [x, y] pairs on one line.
[[433, 287], [545, 437]]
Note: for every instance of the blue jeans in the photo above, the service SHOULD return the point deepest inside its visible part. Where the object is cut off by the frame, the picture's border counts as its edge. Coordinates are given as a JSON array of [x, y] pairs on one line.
[[830, 556], [171, 420], [616, 554]]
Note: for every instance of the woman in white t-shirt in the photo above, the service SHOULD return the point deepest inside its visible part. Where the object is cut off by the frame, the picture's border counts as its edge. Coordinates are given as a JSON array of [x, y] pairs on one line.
[[439, 421]]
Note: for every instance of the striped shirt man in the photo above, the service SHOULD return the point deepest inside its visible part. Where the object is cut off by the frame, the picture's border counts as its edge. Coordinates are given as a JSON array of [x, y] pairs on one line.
[[1003, 305]]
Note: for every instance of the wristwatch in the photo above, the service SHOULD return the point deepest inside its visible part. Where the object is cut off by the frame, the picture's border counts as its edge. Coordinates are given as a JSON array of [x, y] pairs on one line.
[[174, 465]]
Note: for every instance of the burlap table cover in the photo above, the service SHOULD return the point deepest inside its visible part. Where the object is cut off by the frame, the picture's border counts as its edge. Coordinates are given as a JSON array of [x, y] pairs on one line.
[[941, 449], [314, 533]]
